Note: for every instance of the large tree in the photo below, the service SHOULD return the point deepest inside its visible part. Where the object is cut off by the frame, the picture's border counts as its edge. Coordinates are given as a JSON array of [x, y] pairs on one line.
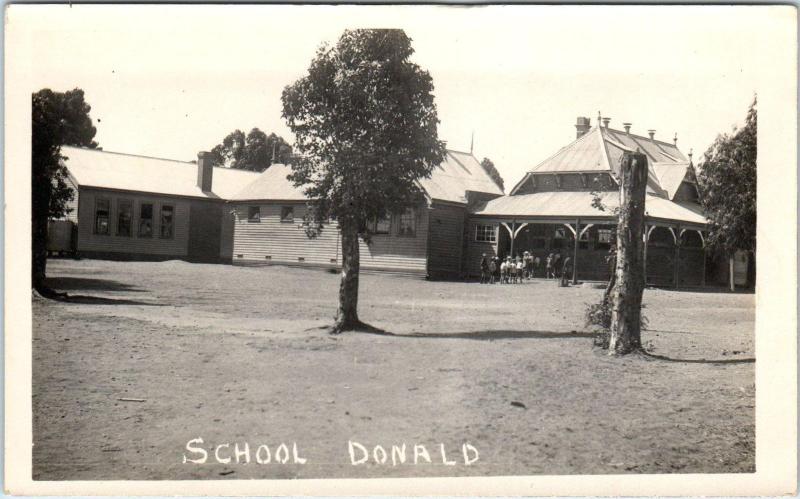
[[365, 124], [254, 151], [58, 119], [727, 181], [488, 166]]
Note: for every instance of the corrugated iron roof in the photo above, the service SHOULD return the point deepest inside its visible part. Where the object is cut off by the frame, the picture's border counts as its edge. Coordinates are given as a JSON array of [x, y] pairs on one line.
[[670, 176], [584, 154], [271, 184], [459, 172], [576, 204], [112, 170]]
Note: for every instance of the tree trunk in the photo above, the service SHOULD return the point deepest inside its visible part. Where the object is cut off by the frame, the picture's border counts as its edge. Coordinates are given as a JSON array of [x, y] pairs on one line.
[[731, 274], [39, 216], [626, 302], [347, 312]]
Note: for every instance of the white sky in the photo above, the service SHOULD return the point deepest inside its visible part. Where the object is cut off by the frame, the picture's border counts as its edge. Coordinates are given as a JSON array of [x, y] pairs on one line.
[[169, 81]]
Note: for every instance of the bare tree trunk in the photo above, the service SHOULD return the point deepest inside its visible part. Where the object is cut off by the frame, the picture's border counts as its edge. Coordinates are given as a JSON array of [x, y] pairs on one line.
[[731, 274], [626, 308], [347, 312], [39, 215]]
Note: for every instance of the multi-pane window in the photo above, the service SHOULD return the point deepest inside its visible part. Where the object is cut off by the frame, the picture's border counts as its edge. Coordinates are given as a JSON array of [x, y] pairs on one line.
[[146, 220], [560, 238], [604, 238], [287, 213], [583, 241], [382, 226], [254, 214], [485, 233], [406, 223], [167, 221], [124, 217], [102, 213]]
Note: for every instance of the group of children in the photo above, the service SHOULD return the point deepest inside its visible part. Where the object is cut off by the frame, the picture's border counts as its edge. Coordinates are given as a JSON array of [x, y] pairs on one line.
[[518, 269]]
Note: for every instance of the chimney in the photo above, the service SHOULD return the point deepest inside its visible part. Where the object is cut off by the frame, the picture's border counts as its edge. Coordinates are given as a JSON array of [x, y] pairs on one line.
[[204, 171], [582, 126], [606, 121], [652, 134], [627, 128]]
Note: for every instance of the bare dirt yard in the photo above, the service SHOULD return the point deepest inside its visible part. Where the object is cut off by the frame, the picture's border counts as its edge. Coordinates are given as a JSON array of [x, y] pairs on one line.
[[148, 357]]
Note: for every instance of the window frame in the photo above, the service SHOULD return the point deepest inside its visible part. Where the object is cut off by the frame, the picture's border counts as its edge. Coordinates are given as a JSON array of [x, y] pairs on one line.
[[142, 219], [252, 211], [161, 224], [95, 230], [604, 245], [287, 214], [375, 224], [479, 232], [411, 213], [120, 203]]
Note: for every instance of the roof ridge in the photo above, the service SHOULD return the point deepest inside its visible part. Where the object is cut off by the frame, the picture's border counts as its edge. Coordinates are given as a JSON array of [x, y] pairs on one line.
[[659, 141], [131, 155], [582, 137]]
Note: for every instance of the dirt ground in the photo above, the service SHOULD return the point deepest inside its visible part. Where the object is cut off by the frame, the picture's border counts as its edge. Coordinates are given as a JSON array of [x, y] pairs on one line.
[[236, 355]]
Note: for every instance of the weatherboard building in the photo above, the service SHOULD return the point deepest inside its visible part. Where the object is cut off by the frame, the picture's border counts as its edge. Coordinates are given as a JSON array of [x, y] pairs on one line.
[[134, 207]]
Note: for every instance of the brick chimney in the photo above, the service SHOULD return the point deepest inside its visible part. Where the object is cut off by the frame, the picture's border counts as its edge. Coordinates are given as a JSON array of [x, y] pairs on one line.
[[205, 171], [582, 126]]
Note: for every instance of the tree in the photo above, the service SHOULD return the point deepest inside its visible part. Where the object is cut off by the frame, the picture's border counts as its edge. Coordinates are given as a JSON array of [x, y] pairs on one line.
[[489, 167], [365, 124], [254, 151], [58, 119], [727, 181]]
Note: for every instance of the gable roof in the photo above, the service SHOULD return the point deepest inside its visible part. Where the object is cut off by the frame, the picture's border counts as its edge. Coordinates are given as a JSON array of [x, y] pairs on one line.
[[113, 170], [601, 148], [458, 173]]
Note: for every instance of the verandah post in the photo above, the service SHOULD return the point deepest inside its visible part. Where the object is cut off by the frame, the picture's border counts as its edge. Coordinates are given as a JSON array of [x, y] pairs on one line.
[[677, 256], [575, 252], [626, 298]]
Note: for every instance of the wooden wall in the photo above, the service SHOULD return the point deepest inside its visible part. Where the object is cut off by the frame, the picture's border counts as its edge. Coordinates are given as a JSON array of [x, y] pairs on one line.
[[446, 241], [475, 249], [270, 241], [91, 244], [73, 215]]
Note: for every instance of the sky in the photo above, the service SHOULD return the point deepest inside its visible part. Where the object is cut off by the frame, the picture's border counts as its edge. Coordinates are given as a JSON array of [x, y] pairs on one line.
[[169, 81]]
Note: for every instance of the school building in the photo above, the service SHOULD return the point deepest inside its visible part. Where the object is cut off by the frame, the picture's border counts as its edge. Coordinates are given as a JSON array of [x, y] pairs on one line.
[[134, 207]]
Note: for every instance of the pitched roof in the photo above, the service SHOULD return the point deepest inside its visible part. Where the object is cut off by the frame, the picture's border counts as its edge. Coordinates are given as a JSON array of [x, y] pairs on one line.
[[271, 184], [601, 148], [575, 204], [112, 170], [671, 175], [459, 172]]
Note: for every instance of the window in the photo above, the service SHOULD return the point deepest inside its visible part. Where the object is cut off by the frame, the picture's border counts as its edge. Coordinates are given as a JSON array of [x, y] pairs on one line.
[[287, 213], [382, 226], [254, 214], [102, 209], [604, 238], [407, 224], [485, 233], [146, 220], [583, 241], [560, 238], [167, 221], [124, 217]]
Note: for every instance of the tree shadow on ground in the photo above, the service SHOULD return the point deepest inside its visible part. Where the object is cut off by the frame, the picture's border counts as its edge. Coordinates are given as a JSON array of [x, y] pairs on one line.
[[653, 356], [88, 284], [482, 335], [100, 300]]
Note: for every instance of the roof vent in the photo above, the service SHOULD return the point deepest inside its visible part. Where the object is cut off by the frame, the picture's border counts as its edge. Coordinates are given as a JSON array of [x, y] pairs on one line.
[[652, 134], [675, 139], [606, 121], [627, 128]]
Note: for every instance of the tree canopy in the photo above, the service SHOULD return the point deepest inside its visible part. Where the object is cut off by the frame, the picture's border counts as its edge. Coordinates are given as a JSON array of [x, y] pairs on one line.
[[727, 181], [488, 166], [253, 151], [365, 124], [58, 119]]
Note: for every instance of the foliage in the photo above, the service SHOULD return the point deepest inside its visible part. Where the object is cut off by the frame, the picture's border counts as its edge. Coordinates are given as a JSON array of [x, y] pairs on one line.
[[727, 182], [58, 118], [488, 166], [253, 151], [365, 124]]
